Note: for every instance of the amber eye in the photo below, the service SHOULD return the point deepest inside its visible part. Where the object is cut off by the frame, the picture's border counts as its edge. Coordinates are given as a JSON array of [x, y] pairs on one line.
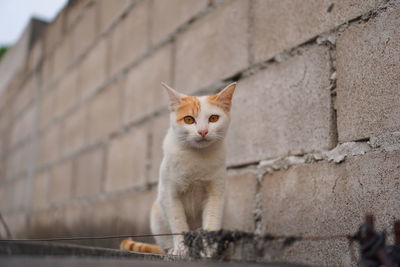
[[213, 118], [188, 120]]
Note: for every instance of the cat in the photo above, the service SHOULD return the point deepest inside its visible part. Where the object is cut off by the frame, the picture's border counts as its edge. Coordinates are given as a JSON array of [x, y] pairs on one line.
[[193, 174]]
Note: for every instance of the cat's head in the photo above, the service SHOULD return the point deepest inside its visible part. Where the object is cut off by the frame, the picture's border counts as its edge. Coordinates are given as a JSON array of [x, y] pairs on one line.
[[200, 121]]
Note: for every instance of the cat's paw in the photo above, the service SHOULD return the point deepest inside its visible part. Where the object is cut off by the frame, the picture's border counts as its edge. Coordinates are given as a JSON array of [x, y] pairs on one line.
[[210, 250], [180, 250]]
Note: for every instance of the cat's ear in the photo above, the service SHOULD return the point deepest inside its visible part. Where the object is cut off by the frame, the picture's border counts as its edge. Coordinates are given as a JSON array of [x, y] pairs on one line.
[[225, 96], [174, 97]]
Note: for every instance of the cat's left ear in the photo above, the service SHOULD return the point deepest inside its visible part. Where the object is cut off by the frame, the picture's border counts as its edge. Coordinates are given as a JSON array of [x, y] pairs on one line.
[[225, 96], [174, 97]]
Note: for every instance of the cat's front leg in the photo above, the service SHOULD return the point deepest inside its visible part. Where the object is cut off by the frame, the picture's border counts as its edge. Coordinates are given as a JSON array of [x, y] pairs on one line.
[[178, 223], [212, 214], [214, 205]]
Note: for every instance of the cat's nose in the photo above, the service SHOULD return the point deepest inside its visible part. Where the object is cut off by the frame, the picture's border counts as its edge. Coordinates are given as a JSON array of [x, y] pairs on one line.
[[203, 133]]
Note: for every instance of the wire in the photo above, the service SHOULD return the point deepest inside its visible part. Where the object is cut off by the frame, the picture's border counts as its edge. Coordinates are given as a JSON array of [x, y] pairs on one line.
[[85, 237]]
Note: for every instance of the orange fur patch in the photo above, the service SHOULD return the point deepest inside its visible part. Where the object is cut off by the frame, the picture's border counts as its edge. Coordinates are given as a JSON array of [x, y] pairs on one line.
[[190, 106], [213, 100]]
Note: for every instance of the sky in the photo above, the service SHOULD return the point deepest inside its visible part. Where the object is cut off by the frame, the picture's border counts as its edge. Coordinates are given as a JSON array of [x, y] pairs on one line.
[[15, 16]]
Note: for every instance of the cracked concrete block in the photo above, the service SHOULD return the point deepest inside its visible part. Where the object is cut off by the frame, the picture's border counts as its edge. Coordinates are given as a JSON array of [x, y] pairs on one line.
[[167, 16], [368, 56], [129, 40], [281, 25], [60, 183], [213, 48], [327, 199], [127, 160], [240, 203], [283, 109], [105, 112], [143, 93], [89, 168]]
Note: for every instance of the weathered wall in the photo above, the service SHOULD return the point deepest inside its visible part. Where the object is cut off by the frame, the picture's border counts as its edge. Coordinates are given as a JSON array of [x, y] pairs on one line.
[[315, 138]]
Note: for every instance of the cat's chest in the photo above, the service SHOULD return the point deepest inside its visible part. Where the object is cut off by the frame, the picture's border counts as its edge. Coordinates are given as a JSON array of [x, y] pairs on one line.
[[193, 167]]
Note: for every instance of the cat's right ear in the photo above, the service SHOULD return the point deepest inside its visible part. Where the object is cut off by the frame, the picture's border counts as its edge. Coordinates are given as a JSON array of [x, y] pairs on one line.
[[174, 97]]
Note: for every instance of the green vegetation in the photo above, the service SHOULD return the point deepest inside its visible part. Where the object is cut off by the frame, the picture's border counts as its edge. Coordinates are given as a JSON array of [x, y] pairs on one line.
[[3, 50]]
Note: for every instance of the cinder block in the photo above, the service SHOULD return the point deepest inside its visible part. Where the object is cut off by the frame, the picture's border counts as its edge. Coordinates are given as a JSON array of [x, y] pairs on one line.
[[55, 31], [213, 48], [240, 203], [47, 223], [127, 160], [110, 11], [85, 30], [66, 93], [167, 16], [60, 184], [158, 130], [326, 199], [121, 215], [47, 108], [105, 112], [17, 222], [25, 96], [47, 73], [283, 109], [74, 131], [74, 11], [17, 161], [89, 173], [368, 83], [35, 55], [93, 69], [19, 195], [62, 57], [40, 194], [23, 127], [280, 25], [129, 40], [49, 144], [142, 96]]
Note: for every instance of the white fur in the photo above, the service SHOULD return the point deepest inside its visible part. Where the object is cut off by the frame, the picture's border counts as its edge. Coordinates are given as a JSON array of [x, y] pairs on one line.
[[192, 178]]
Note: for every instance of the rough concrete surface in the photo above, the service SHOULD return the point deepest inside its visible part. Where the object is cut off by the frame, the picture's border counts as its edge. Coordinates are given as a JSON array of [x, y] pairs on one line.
[[280, 108], [326, 199], [368, 63]]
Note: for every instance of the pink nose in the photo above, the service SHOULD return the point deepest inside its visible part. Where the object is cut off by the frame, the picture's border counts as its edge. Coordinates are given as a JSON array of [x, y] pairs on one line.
[[203, 133]]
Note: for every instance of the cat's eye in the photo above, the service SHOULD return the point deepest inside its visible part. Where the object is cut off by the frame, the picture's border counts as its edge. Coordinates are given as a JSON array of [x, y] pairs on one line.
[[188, 120], [213, 118]]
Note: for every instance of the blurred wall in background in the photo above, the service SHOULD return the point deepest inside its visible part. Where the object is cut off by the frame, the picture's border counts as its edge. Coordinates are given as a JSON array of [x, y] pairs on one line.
[[314, 143]]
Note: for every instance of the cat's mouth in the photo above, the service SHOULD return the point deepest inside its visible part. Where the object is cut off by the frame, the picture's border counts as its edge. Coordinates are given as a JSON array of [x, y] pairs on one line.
[[202, 140]]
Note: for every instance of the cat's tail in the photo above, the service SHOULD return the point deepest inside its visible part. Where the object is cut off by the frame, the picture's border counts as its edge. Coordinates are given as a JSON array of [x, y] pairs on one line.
[[129, 244]]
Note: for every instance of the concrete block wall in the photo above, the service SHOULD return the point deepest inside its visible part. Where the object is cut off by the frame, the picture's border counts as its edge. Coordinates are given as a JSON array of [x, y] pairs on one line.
[[314, 142]]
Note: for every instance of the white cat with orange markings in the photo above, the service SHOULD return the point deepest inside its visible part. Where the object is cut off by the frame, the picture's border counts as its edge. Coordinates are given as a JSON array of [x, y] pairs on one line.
[[192, 173]]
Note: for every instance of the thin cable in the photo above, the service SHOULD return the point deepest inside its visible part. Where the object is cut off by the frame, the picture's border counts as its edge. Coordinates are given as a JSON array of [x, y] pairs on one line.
[[86, 237]]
